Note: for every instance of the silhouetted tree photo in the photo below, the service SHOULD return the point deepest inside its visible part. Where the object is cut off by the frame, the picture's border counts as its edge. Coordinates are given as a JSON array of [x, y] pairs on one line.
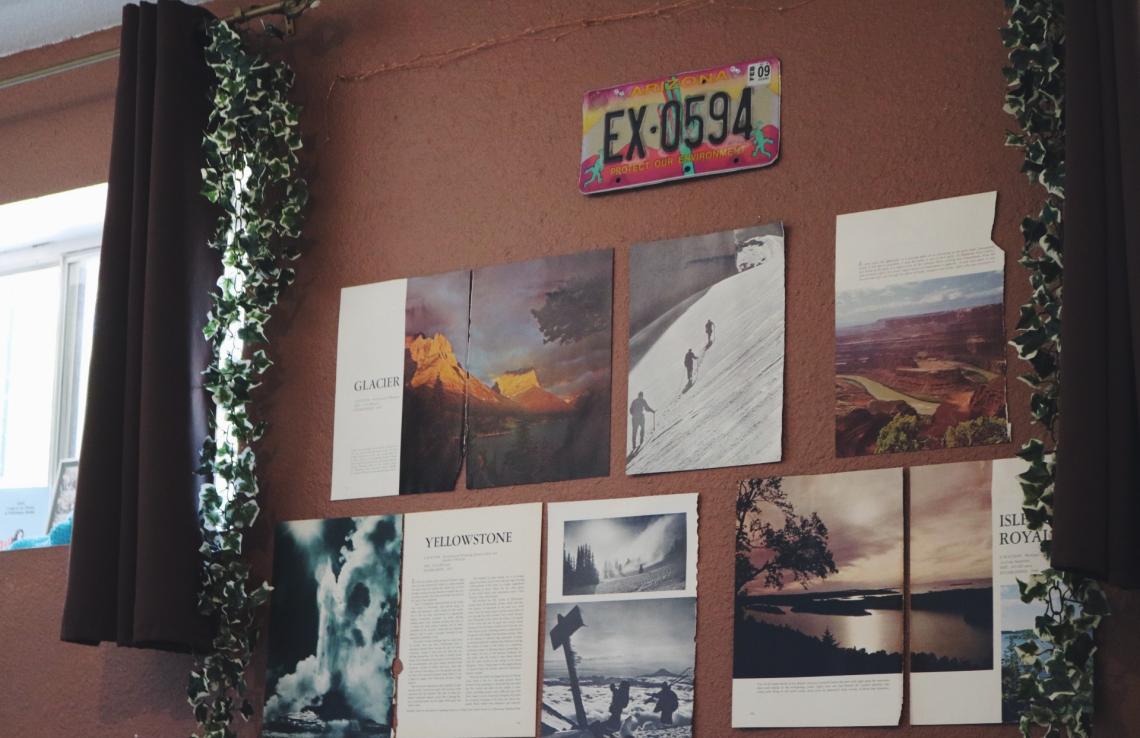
[[574, 311], [777, 546], [798, 548]]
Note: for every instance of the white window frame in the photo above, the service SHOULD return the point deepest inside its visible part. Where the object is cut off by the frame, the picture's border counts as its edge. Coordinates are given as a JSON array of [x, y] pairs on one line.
[[65, 254]]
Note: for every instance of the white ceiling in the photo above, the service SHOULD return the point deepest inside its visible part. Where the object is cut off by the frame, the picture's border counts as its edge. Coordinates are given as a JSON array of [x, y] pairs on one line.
[[27, 24]]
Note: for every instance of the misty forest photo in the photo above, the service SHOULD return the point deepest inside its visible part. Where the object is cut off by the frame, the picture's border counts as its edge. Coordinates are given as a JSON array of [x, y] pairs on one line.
[[644, 553], [951, 567], [920, 365], [332, 628], [539, 385], [633, 670], [706, 351], [819, 575]]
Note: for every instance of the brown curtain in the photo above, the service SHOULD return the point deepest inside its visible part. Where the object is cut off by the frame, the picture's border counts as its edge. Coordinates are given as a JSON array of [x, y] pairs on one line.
[[1097, 503], [134, 569]]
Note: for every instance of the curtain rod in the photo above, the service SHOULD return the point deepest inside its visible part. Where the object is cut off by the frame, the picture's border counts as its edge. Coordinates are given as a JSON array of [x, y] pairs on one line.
[[289, 9]]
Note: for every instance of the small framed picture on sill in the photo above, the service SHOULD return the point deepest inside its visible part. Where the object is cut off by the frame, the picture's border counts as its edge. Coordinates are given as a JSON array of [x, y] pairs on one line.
[[63, 498]]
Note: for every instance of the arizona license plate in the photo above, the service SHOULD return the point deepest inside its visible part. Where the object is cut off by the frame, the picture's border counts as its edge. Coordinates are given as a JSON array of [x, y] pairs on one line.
[[709, 121]]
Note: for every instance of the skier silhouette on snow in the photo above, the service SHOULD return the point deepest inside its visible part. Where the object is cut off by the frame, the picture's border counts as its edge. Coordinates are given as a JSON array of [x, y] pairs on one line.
[[690, 362], [667, 703], [619, 700], [637, 410], [709, 326]]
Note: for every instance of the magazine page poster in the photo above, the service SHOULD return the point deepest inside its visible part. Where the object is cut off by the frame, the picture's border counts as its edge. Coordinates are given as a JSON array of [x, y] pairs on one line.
[[400, 386], [953, 603], [469, 623], [919, 332], [621, 615], [539, 390], [969, 548], [1019, 556], [706, 351], [332, 628], [818, 636]]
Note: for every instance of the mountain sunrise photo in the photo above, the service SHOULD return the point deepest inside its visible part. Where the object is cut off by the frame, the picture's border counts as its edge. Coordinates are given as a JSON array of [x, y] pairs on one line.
[[435, 382], [539, 385]]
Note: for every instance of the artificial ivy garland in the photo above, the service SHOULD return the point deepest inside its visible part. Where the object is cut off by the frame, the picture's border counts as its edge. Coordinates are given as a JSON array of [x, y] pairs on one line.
[[1055, 685], [251, 172]]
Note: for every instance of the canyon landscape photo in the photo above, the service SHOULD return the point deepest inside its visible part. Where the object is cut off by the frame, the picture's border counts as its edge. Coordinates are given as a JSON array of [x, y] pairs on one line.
[[538, 388], [920, 365]]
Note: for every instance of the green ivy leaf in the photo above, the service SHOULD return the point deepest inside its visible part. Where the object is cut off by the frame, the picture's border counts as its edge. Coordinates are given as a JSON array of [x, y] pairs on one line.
[[1057, 685], [252, 174]]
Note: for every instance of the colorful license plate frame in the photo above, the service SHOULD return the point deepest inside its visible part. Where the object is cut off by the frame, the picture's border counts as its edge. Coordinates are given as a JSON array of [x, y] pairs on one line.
[[685, 125]]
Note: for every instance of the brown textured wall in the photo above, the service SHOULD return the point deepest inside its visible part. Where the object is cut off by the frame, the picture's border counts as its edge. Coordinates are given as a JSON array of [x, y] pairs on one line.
[[474, 162]]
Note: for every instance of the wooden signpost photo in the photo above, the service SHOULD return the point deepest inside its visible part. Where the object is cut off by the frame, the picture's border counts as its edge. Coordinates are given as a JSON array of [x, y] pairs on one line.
[[560, 638]]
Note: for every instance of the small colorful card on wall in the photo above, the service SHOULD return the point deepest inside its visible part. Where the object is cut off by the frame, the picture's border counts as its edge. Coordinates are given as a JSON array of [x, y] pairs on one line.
[[689, 124]]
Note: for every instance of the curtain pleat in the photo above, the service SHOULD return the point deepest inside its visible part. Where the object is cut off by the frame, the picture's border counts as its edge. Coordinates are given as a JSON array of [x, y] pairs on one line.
[[134, 568], [1097, 498]]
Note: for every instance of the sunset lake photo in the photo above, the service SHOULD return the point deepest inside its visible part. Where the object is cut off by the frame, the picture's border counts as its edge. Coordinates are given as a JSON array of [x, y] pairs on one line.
[[819, 575]]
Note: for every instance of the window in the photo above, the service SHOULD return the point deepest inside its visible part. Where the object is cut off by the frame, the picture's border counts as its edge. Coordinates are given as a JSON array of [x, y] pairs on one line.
[[49, 262]]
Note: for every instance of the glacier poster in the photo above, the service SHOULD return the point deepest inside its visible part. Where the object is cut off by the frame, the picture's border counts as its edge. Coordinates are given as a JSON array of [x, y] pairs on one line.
[[706, 351], [401, 390], [919, 328], [621, 611], [506, 368]]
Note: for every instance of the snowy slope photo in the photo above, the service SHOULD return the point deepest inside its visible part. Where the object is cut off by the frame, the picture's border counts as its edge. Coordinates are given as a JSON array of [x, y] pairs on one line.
[[706, 351]]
